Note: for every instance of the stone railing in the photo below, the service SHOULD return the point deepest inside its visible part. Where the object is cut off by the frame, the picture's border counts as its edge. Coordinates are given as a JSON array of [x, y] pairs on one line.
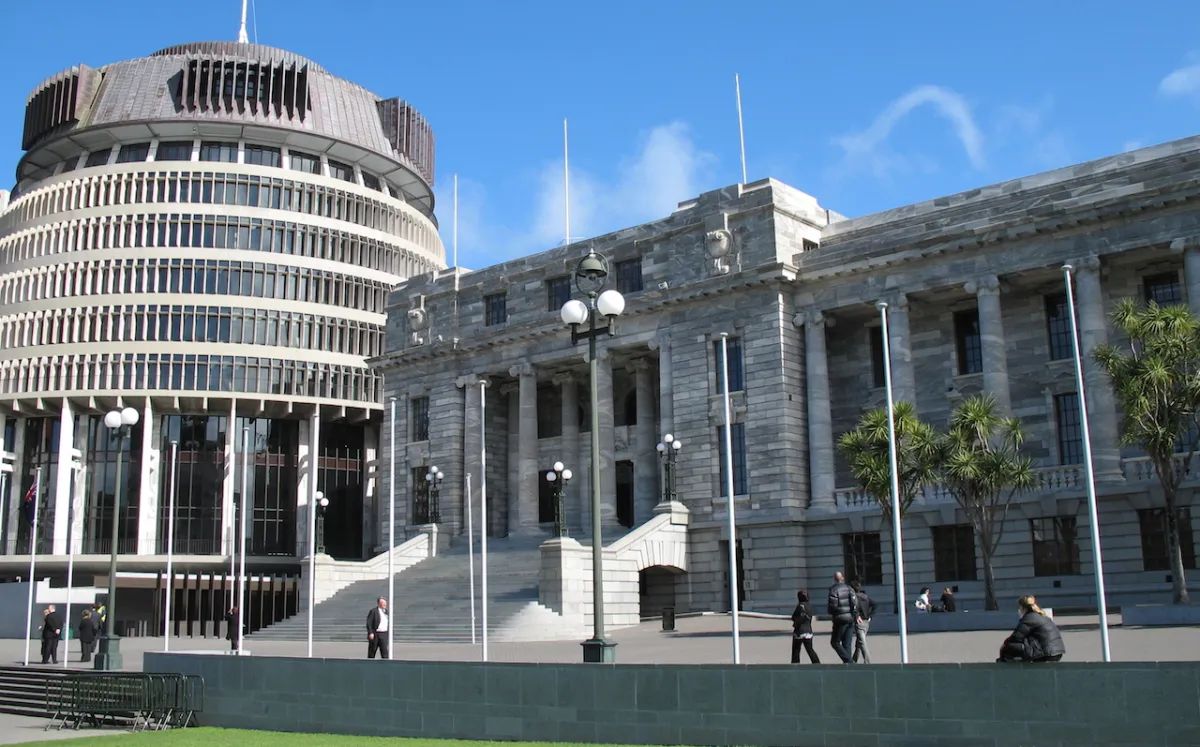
[[1047, 479], [1141, 469]]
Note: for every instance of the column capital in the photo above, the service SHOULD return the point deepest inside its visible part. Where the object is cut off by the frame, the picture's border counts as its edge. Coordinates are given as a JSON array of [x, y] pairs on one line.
[[521, 370], [1089, 263], [1185, 243], [565, 377], [509, 387], [813, 317], [637, 365], [894, 301], [462, 382], [661, 341], [602, 355], [985, 285]]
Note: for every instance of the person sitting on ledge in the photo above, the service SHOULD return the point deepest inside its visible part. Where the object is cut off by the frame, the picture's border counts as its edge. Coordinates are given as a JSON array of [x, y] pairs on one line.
[[948, 602], [1036, 637]]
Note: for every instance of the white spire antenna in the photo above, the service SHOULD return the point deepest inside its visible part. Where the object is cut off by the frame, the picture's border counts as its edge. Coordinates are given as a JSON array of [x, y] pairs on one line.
[[737, 85], [243, 38], [566, 188], [455, 233]]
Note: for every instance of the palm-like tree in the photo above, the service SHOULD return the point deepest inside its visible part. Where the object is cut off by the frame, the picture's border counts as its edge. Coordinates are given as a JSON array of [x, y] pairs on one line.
[[983, 469], [1157, 383]]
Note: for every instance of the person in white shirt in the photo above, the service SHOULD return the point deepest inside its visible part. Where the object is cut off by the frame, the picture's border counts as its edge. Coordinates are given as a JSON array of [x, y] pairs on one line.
[[378, 622], [923, 603]]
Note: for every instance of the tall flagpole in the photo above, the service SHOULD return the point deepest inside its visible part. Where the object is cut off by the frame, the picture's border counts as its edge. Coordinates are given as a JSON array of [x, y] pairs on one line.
[[483, 578], [171, 544], [314, 438], [1093, 512], [734, 602], [37, 489], [74, 462], [566, 189], [471, 555], [241, 606], [737, 85], [243, 38], [391, 562], [454, 235], [894, 470]]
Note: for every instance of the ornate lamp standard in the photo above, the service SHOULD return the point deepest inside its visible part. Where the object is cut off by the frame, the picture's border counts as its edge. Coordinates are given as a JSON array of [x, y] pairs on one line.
[[434, 479], [590, 277], [668, 450], [558, 479], [322, 504], [119, 423]]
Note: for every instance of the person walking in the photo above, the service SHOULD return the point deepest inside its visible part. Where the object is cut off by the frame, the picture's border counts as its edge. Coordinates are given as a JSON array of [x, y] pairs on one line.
[[802, 635], [843, 610], [862, 623], [1036, 637], [51, 633], [378, 622], [87, 635]]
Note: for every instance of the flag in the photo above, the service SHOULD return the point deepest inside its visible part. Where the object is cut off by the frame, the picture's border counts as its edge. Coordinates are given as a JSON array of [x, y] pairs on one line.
[[29, 504]]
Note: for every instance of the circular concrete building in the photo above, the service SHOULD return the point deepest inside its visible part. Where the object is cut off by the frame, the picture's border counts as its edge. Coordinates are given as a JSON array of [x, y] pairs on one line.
[[208, 235]]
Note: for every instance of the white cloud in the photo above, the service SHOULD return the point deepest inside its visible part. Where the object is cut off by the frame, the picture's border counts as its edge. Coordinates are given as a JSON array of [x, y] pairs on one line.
[[665, 168], [1027, 132], [1184, 81], [868, 147]]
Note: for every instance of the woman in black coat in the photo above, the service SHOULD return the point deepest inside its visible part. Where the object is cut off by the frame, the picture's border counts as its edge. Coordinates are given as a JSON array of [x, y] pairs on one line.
[[87, 635], [1036, 637], [802, 635]]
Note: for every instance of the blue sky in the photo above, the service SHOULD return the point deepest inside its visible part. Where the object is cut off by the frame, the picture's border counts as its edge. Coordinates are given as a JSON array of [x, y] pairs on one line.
[[866, 106]]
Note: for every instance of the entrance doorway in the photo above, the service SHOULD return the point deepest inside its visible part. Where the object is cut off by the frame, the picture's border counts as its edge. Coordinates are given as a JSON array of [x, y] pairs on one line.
[[625, 493]]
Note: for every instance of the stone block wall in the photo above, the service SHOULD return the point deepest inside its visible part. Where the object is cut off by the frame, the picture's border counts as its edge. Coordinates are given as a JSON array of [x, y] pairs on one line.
[[976, 705]]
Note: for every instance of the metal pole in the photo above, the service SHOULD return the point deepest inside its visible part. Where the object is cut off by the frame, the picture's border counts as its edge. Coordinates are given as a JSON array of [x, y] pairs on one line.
[[391, 561], [734, 602], [471, 555], [111, 623], [1093, 512], [241, 616], [171, 544], [314, 438], [566, 189], [37, 489], [70, 565], [483, 576], [893, 467], [602, 650], [737, 84]]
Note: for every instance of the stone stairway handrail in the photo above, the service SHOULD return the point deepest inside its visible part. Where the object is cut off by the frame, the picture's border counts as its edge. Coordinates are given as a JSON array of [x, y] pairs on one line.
[[666, 513]]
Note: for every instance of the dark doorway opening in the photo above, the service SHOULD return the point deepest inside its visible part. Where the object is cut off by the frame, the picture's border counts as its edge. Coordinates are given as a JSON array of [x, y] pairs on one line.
[[625, 493], [741, 575]]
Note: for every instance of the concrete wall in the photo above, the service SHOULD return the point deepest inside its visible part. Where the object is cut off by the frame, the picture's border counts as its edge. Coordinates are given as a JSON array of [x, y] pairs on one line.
[[977, 704]]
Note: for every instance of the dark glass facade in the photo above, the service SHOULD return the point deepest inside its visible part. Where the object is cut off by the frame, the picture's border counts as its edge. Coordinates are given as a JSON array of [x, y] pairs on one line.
[[340, 477], [103, 452], [200, 471]]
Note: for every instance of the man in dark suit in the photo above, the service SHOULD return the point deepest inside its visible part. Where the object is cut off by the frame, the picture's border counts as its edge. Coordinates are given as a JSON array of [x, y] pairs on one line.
[[51, 633], [378, 624]]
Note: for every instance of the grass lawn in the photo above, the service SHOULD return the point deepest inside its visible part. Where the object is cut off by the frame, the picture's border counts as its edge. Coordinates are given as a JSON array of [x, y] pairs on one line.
[[211, 737]]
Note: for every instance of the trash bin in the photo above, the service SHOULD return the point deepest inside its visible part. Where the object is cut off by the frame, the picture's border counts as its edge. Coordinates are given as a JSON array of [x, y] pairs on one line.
[[668, 618]]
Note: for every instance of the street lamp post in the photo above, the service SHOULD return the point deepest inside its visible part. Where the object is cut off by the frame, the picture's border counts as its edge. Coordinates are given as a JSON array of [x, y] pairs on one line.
[[668, 451], [590, 276], [119, 423], [322, 504], [434, 479], [558, 479]]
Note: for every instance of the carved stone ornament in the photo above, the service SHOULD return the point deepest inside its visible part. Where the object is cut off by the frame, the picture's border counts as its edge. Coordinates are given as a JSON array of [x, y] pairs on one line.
[[719, 244], [418, 322]]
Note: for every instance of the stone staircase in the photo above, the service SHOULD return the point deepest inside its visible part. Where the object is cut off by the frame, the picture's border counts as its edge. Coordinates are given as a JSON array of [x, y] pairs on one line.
[[24, 690], [431, 603]]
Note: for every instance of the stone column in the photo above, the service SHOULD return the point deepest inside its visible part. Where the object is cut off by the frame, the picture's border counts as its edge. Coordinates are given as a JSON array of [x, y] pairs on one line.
[[15, 486], [568, 387], [821, 472], [60, 495], [991, 338], [608, 477], [527, 456], [303, 489], [1189, 247], [229, 484], [1093, 332], [666, 385], [645, 465], [148, 494], [511, 393], [904, 386], [469, 383]]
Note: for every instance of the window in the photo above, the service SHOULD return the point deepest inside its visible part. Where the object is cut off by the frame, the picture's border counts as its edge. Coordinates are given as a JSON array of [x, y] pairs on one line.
[[967, 341], [495, 309], [740, 482], [262, 155], [418, 413], [862, 558], [370, 181], [1162, 289], [304, 162], [545, 496], [1058, 326], [558, 292], [212, 151], [1070, 434], [1155, 552], [342, 171], [549, 411], [420, 507], [99, 157], [1055, 551], [737, 380], [954, 553], [629, 275], [133, 152], [178, 150], [877, 372]]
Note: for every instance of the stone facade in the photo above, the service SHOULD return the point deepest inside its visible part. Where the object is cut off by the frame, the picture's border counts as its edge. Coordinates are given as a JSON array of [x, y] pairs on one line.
[[971, 282]]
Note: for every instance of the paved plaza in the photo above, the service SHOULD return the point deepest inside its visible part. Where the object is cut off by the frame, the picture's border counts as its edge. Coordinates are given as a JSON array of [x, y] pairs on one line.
[[705, 640]]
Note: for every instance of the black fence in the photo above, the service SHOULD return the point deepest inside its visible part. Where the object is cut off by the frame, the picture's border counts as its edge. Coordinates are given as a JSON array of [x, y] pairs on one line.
[[137, 701], [201, 600]]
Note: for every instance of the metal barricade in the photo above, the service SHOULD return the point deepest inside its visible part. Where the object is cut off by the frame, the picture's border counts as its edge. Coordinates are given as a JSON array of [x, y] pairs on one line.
[[139, 700]]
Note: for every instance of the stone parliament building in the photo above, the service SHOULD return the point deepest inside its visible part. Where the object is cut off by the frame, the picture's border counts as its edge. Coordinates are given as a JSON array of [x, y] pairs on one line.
[[977, 304]]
